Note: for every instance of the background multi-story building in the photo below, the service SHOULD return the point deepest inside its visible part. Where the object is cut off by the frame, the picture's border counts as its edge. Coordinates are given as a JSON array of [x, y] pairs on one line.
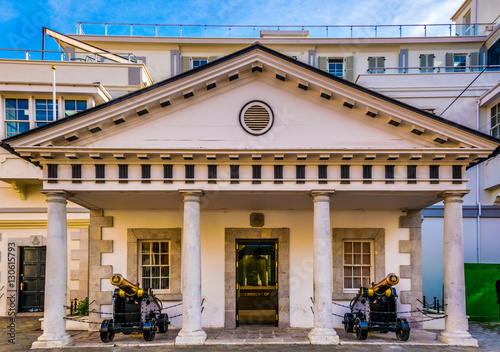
[[452, 71]]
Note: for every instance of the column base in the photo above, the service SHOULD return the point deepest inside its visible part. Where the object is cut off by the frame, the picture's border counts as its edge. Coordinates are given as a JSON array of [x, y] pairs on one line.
[[461, 338], [323, 337], [197, 337], [51, 342]]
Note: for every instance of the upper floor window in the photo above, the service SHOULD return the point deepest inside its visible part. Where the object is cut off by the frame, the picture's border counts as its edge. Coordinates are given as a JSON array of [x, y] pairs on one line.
[[197, 62], [336, 67], [376, 64], [44, 111], [73, 106], [16, 116], [495, 121], [427, 62]]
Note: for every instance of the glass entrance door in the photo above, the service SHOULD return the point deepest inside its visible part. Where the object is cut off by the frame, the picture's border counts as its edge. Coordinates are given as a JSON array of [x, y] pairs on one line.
[[257, 282]]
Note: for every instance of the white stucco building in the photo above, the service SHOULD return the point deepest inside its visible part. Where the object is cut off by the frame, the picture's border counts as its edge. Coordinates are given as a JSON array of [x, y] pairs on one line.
[[182, 157]]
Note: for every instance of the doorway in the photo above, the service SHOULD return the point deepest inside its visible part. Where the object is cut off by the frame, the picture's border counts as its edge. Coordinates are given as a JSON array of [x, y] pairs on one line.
[[257, 282], [32, 279]]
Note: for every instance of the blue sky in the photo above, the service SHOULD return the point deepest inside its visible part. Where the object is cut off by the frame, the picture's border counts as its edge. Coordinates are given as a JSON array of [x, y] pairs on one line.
[[21, 20]]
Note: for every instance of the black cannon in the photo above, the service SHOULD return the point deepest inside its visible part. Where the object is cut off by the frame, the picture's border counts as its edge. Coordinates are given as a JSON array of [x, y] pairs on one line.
[[134, 310], [376, 309]]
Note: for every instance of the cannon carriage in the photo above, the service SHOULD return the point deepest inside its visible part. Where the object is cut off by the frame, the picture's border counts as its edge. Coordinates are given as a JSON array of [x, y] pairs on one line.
[[135, 309], [375, 309]]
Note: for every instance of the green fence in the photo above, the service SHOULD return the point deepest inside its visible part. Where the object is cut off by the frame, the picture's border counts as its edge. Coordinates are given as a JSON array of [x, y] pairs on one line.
[[482, 285]]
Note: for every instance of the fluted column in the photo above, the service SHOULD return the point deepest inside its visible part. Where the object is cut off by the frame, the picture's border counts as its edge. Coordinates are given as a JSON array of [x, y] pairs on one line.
[[56, 274], [456, 324], [323, 332], [191, 332]]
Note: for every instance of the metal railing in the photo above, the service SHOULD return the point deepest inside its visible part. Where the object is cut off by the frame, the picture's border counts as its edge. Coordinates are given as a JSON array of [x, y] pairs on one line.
[[57, 55], [254, 31], [435, 69]]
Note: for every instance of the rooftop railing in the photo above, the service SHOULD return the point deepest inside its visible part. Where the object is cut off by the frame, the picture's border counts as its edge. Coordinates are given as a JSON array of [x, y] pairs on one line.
[[435, 69], [57, 55], [256, 31]]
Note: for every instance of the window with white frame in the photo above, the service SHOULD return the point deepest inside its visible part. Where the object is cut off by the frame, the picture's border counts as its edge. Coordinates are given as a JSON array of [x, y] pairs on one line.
[[16, 116], [72, 106], [495, 121], [197, 62], [154, 264], [358, 264], [336, 67], [44, 111]]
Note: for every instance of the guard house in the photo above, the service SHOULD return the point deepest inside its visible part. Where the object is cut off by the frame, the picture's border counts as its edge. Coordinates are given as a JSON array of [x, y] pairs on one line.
[[255, 175]]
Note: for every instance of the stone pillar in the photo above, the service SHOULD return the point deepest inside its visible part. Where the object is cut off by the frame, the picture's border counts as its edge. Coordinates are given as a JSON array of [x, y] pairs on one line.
[[323, 332], [456, 325], [56, 285], [191, 332]]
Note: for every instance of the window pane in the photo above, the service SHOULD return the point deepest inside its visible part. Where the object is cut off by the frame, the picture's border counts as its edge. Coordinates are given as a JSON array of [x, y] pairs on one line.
[[145, 247], [347, 271], [347, 247], [356, 283], [357, 258], [366, 282], [155, 271], [146, 260], [146, 271], [366, 271], [347, 258], [357, 247], [164, 259], [348, 283], [155, 284], [165, 272], [366, 259], [145, 283], [164, 284], [81, 105], [10, 103], [22, 104], [164, 247], [156, 247], [357, 271], [366, 247], [155, 259]]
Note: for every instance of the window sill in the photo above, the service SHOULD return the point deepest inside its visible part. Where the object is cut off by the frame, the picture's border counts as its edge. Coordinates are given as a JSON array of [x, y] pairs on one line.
[[165, 297]]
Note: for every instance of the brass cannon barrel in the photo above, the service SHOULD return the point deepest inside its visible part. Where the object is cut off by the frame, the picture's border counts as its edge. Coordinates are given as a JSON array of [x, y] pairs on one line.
[[126, 286], [384, 286]]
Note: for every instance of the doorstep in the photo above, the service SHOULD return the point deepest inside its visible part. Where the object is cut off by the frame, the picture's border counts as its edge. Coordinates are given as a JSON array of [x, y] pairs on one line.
[[252, 336]]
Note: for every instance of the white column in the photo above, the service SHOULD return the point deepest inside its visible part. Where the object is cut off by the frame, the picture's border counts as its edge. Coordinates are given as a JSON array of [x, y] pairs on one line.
[[456, 324], [191, 332], [56, 285], [323, 332]]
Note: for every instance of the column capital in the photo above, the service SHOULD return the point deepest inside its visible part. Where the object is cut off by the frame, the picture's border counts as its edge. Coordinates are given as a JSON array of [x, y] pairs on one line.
[[321, 195], [193, 195], [56, 196], [453, 196]]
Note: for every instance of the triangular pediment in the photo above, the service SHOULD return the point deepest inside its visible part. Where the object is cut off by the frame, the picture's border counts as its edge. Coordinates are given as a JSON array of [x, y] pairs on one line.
[[200, 110]]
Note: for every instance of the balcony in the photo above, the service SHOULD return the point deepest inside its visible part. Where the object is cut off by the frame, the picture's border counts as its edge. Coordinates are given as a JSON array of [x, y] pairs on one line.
[[260, 31]]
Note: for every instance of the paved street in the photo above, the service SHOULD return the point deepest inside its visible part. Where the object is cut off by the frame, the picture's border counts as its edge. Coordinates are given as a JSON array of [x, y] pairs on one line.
[[28, 329]]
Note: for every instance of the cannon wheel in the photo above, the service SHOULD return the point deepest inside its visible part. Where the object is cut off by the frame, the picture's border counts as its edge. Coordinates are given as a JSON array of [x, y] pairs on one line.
[[360, 334], [402, 335], [348, 322], [107, 333], [148, 330], [163, 324]]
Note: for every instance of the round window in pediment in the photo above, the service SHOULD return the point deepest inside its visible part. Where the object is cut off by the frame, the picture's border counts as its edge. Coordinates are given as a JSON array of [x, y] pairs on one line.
[[256, 117]]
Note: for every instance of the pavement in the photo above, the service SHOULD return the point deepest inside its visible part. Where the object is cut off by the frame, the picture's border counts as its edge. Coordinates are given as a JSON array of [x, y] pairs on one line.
[[260, 338]]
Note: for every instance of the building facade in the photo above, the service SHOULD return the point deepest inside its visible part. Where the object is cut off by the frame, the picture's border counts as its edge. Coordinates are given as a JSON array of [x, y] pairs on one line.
[[297, 167]]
